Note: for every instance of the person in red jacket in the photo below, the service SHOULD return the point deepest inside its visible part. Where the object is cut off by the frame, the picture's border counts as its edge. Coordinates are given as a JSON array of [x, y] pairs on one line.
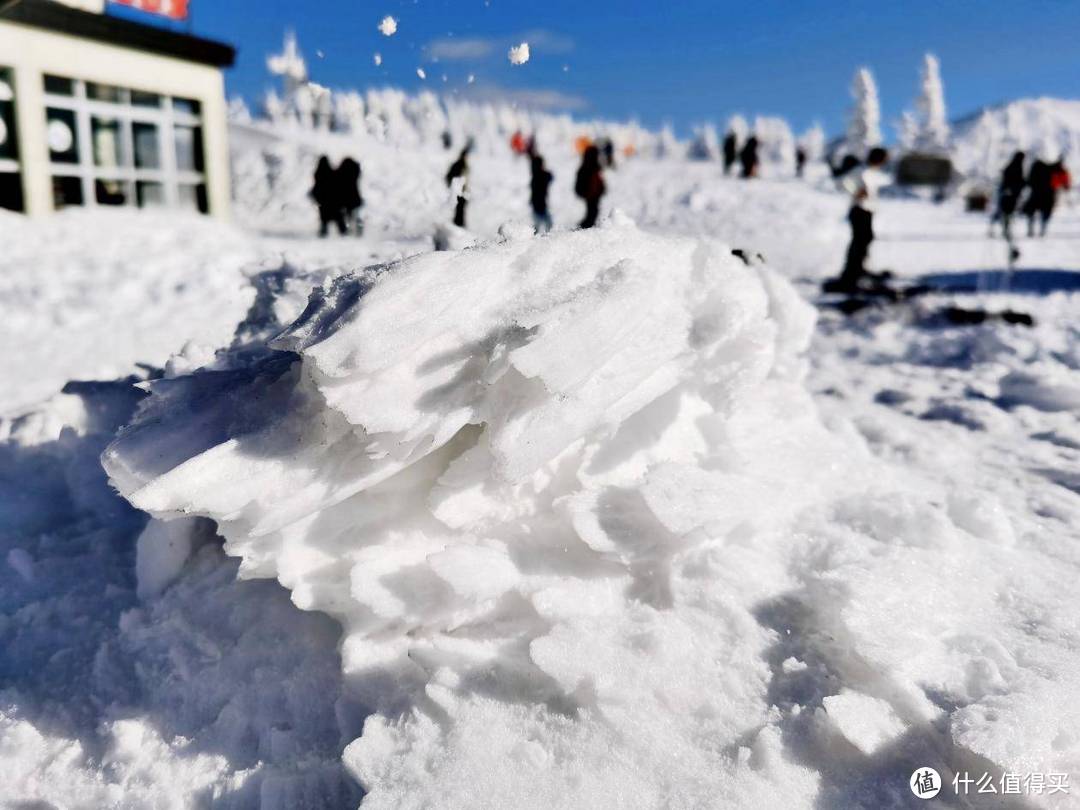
[[590, 185]]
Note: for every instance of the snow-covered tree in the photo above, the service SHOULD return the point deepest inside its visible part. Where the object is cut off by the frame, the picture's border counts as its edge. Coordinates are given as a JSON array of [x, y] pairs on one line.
[[812, 142], [706, 144], [933, 124], [667, 145], [864, 126], [289, 65], [908, 131], [738, 125], [777, 145]]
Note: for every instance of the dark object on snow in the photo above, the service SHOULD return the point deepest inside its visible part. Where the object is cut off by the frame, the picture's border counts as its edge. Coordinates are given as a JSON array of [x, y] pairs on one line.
[[916, 169], [731, 151], [976, 202], [975, 317], [326, 192], [352, 200], [538, 193], [589, 185], [460, 169], [749, 157], [1009, 191], [800, 161], [748, 258]]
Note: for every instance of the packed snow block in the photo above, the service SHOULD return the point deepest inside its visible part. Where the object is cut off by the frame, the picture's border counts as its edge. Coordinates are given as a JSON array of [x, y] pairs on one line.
[[161, 551], [535, 482]]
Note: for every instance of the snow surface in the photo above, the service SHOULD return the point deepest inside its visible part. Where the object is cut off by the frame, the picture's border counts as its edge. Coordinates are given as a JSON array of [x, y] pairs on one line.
[[604, 519]]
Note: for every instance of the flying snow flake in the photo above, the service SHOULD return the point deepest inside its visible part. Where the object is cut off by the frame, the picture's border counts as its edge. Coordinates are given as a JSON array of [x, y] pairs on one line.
[[388, 26], [378, 59], [519, 54], [420, 72], [471, 78]]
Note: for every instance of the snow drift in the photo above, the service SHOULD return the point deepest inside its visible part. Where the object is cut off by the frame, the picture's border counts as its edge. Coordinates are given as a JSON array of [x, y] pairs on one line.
[[510, 473]]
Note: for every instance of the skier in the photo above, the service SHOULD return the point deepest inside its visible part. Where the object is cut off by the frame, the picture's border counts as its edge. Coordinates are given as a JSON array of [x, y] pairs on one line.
[[541, 181], [351, 199], [749, 157], [731, 150], [1009, 191], [589, 185], [800, 161], [863, 186], [326, 192], [457, 180]]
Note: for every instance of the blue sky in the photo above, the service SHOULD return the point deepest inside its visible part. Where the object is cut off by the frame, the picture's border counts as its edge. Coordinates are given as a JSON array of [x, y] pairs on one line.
[[681, 61]]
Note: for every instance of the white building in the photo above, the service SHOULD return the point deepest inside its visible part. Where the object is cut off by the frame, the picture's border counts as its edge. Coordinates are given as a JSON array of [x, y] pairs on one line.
[[96, 110]]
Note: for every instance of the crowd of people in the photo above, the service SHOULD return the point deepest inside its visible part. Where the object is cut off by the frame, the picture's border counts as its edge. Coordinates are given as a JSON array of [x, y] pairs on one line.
[[336, 193]]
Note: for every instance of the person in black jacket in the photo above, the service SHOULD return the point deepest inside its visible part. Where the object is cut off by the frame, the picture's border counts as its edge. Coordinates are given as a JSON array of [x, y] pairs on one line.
[[326, 192], [731, 150], [589, 185], [749, 157], [1009, 191], [351, 199], [1041, 197], [538, 196], [457, 179]]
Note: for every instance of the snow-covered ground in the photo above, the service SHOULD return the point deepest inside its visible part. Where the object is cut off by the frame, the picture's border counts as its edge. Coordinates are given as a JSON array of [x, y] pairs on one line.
[[592, 520]]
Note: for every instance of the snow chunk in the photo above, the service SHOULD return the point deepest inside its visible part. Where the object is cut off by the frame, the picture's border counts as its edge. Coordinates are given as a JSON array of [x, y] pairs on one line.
[[388, 26], [866, 722], [161, 551], [519, 54], [506, 471]]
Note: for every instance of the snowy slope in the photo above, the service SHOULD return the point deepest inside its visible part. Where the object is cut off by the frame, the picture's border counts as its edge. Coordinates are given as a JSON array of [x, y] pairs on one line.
[[984, 141]]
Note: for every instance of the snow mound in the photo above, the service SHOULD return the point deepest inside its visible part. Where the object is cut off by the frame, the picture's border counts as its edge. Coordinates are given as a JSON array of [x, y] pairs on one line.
[[509, 472]]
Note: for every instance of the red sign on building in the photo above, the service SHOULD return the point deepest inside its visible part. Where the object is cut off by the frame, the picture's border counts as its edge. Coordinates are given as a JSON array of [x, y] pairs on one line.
[[173, 9]]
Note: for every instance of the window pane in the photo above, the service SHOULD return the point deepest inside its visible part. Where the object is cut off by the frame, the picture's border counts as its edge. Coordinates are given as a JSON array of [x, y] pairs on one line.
[[147, 146], [11, 196], [189, 149], [194, 198], [150, 195], [111, 192], [9, 149], [105, 92], [141, 99], [63, 144], [108, 144], [67, 191], [187, 105], [59, 86]]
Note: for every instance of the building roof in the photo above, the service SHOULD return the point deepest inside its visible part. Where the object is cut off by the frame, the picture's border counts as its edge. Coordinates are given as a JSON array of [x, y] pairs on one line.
[[116, 31]]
